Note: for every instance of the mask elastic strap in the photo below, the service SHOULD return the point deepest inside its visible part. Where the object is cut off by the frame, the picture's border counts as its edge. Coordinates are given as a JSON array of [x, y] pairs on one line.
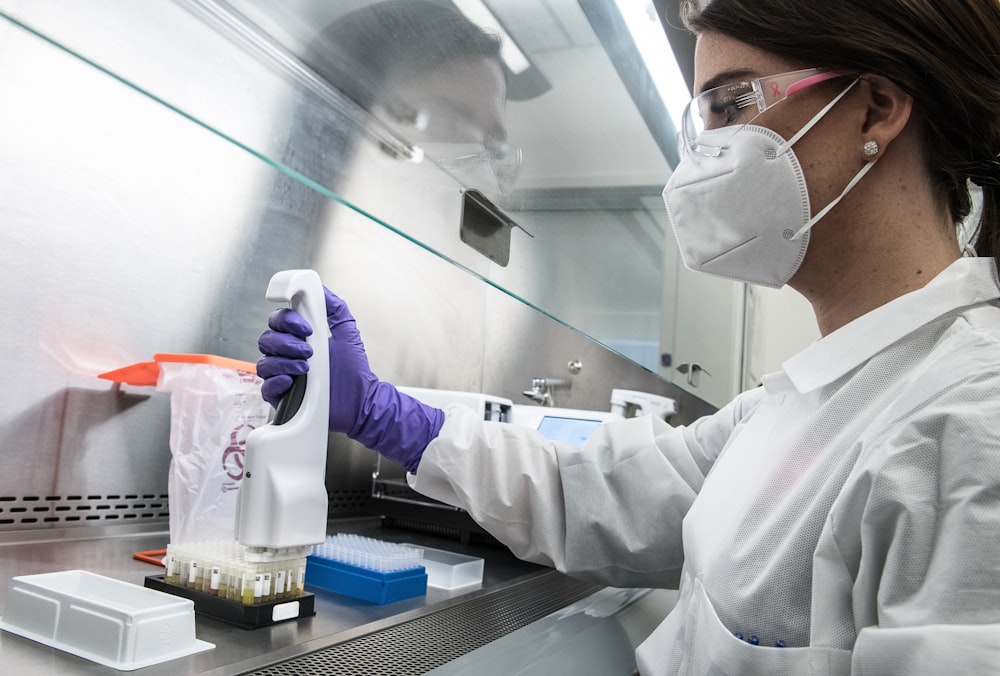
[[822, 212], [802, 132], [816, 118]]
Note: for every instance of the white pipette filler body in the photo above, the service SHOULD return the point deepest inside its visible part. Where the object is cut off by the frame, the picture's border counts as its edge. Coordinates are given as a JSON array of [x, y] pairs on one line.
[[282, 504]]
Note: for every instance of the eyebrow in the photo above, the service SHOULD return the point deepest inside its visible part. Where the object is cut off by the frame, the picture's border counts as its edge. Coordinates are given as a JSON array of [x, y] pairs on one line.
[[725, 77]]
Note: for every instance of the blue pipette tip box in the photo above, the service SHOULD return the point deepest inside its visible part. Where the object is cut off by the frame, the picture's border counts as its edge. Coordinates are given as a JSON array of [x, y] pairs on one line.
[[364, 583]]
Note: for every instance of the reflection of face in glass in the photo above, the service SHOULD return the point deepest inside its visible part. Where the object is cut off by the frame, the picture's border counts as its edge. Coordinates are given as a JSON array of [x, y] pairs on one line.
[[433, 76], [454, 114]]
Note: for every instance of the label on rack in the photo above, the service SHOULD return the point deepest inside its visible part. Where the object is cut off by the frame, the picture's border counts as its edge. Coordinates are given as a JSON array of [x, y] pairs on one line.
[[216, 574], [279, 584], [285, 611], [258, 585], [193, 572], [267, 584]]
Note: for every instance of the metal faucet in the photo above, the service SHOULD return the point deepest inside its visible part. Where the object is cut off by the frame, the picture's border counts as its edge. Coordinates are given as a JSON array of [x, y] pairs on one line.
[[539, 392]]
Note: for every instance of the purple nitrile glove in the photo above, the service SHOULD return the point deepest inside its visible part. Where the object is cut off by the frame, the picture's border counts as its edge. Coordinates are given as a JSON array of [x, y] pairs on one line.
[[368, 410]]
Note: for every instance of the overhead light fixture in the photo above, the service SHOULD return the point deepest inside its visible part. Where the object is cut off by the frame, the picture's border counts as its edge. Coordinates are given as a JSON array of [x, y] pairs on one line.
[[478, 13], [643, 24]]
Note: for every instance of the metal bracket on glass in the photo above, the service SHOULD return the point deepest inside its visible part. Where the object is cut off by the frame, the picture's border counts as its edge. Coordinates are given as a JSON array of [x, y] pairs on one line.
[[486, 228], [692, 371]]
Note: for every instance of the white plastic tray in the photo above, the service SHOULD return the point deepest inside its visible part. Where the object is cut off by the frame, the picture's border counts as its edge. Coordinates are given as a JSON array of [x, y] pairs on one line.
[[114, 623], [451, 571]]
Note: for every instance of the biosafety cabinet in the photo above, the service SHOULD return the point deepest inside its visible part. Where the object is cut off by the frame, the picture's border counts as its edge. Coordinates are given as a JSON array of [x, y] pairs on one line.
[[480, 179]]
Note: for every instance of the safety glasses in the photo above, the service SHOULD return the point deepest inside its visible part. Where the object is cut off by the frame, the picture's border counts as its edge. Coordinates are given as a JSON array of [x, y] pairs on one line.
[[738, 104], [504, 159]]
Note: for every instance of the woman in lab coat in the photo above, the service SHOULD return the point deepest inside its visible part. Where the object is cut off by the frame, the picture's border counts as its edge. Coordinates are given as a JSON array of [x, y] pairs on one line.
[[844, 517]]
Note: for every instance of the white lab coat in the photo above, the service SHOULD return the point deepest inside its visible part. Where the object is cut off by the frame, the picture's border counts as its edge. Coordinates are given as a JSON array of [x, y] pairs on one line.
[[849, 507]]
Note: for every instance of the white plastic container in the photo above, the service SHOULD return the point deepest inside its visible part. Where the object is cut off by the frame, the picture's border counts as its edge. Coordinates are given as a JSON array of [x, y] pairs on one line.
[[451, 571], [114, 623]]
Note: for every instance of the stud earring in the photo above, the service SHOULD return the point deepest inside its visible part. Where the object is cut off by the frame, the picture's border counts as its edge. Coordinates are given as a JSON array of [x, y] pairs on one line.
[[871, 149]]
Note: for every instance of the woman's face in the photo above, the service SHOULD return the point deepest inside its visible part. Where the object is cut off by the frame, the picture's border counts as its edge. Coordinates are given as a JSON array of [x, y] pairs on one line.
[[827, 159]]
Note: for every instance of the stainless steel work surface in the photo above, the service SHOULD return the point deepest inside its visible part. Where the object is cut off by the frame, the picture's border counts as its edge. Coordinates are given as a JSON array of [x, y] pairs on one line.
[[596, 635], [108, 551]]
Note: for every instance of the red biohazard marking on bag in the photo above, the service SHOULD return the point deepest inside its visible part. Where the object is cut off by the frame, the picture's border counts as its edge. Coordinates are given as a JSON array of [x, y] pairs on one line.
[[232, 457]]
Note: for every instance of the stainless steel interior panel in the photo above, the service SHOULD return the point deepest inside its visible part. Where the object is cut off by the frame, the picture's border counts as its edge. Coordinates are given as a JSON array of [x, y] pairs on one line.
[[141, 230], [598, 127], [113, 221], [547, 348], [360, 148]]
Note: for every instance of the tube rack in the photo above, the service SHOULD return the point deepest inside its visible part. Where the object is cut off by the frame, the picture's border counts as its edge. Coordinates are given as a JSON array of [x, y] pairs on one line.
[[217, 576], [367, 568]]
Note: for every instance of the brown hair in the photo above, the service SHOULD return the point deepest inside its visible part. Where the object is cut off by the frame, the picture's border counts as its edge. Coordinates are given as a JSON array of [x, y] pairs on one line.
[[944, 53]]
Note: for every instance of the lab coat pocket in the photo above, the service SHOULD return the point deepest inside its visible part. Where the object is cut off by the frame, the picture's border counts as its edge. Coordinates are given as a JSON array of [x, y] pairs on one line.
[[713, 650]]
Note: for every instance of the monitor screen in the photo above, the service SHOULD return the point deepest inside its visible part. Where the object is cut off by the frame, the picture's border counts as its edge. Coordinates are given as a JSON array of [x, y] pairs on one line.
[[573, 431]]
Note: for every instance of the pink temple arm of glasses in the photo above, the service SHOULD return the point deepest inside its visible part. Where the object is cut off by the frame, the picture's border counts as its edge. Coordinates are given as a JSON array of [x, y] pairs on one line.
[[810, 81]]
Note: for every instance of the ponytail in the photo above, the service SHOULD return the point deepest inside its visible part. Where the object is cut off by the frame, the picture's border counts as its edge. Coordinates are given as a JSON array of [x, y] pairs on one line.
[[988, 238]]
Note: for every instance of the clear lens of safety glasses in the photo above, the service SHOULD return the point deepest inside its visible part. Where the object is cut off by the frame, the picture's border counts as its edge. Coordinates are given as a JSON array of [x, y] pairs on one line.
[[503, 159], [738, 104], [507, 166]]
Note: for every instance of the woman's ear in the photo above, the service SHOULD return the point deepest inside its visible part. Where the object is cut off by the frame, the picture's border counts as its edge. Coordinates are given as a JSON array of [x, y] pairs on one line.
[[888, 109]]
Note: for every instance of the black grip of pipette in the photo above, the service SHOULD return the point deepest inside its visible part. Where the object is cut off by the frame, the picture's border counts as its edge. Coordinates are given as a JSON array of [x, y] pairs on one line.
[[290, 403]]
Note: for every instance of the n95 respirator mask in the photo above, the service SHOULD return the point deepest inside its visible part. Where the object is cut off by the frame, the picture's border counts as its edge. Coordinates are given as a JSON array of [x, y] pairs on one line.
[[744, 213]]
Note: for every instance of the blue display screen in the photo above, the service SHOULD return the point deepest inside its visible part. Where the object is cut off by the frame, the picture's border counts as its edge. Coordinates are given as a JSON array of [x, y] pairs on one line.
[[573, 431]]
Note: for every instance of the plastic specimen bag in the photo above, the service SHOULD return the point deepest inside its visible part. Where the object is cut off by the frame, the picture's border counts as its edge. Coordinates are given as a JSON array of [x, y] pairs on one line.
[[213, 409]]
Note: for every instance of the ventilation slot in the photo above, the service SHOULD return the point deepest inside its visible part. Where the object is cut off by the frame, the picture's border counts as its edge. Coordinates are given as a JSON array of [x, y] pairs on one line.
[[37, 511]]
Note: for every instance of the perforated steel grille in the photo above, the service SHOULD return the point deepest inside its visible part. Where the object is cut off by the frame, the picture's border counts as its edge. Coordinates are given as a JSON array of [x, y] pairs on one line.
[[39, 511], [30, 512], [427, 642], [348, 502]]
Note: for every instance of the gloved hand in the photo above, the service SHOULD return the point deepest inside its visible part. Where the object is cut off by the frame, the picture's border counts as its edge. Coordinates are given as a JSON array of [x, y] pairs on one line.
[[368, 410]]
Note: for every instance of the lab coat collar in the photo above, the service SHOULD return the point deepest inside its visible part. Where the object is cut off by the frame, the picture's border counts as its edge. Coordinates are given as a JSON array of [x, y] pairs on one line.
[[965, 282]]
